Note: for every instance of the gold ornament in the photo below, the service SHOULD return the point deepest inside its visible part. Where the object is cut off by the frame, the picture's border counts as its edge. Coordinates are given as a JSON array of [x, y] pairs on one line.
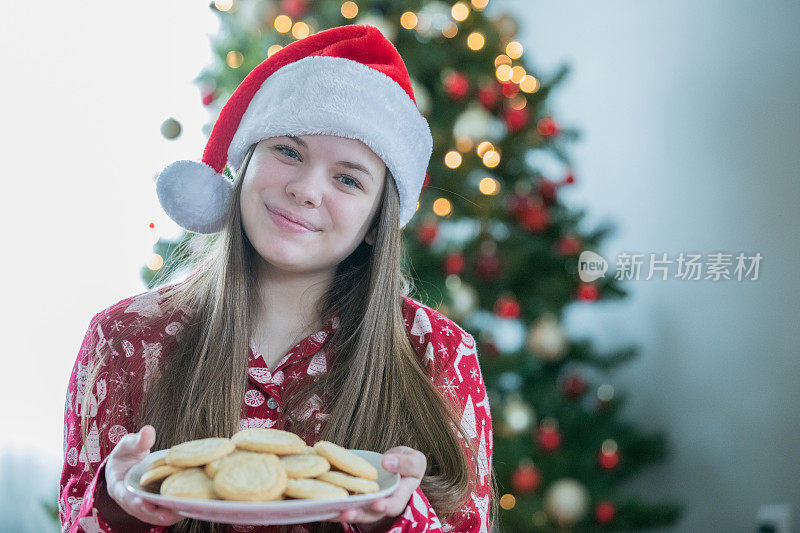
[[546, 338], [518, 415], [566, 501]]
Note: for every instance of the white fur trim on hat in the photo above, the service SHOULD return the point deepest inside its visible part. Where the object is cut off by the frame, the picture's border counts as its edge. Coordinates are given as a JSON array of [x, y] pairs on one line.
[[194, 195], [338, 96]]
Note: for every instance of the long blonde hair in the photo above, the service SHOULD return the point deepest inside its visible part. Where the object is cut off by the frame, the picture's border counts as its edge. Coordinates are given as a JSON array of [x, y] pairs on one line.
[[377, 393]]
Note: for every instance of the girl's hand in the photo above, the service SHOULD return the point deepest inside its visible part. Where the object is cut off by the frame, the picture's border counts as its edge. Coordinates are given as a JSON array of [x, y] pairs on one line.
[[131, 449], [411, 464]]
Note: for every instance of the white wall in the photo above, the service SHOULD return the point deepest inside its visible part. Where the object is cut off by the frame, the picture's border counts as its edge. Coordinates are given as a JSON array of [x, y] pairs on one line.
[[691, 119], [85, 87]]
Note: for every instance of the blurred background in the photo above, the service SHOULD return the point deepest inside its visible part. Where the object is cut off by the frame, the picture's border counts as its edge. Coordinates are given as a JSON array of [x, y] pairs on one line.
[[621, 129]]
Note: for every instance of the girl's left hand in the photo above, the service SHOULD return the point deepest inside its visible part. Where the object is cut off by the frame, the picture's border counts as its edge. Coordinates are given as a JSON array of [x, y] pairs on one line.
[[411, 464]]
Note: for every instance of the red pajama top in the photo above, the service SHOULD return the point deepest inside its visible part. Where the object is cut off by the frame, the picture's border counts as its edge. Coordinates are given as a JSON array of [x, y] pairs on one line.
[[446, 350]]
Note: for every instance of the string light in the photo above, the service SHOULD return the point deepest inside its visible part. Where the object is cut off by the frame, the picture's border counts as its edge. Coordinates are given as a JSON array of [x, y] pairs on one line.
[[480, 4], [503, 73], [282, 23], [517, 73], [514, 49], [459, 11], [349, 10], [489, 186], [451, 30], [234, 59], [223, 5], [476, 40], [529, 84], [442, 207], [155, 262], [300, 30], [463, 144], [508, 501], [452, 159], [272, 49], [484, 147], [491, 159], [408, 20], [502, 59]]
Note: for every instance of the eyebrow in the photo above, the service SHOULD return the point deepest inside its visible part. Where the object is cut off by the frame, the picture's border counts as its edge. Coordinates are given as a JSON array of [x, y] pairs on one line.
[[348, 164]]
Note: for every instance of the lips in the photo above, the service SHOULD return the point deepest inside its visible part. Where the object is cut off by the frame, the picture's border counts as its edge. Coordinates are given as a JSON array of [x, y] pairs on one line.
[[297, 220]]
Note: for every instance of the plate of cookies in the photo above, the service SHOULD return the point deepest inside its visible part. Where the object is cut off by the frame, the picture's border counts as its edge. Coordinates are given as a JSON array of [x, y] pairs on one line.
[[261, 476]]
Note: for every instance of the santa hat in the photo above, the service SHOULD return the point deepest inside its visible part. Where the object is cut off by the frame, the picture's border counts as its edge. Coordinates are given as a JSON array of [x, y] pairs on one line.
[[348, 81]]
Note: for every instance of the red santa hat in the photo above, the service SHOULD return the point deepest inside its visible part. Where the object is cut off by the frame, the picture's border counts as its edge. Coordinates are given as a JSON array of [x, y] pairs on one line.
[[348, 81]]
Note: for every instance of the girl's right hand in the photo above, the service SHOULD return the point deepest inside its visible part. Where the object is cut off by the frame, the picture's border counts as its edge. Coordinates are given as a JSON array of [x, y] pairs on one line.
[[131, 449]]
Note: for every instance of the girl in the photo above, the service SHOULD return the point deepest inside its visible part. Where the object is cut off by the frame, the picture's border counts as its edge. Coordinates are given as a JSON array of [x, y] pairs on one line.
[[329, 154]]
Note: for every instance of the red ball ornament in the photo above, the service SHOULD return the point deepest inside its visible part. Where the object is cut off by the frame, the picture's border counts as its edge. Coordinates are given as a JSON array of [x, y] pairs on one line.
[[487, 266], [548, 191], [534, 218], [454, 263], [587, 292], [574, 387], [569, 245], [426, 232], [604, 512], [548, 437], [570, 178], [507, 307], [516, 119], [608, 460], [489, 94], [456, 85], [510, 89], [526, 478], [546, 126], [294, 8]]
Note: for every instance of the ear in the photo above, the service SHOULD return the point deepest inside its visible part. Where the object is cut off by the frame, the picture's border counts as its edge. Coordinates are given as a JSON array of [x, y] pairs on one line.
[[370, 237]]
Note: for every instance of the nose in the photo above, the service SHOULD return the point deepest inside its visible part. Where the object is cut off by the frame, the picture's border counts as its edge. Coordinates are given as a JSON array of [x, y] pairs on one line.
[[306, 186]]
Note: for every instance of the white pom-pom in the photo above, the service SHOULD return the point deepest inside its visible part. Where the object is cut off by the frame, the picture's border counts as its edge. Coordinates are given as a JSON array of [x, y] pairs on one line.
[[194, 195]]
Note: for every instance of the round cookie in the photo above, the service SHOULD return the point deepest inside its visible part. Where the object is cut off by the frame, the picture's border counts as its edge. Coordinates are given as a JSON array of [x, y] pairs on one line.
[[161, 461], [351, 483], [345, 460], [189, 483], [213, 467], [199, 452], [302, 465], [309, 488], [251, 479], [268, 440], [158, 473]]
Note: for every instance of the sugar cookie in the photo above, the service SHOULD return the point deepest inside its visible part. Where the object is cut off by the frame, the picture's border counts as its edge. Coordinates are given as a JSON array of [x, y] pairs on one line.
[[351, 483], [250, 479], [302, 465], [189, 483], [309, 488], [158, 473], [199, 452], [213, 467], [268, 440], [345, 460]]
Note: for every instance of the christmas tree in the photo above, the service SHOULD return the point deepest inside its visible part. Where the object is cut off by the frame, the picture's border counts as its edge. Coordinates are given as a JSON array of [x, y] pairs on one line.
[[492, 246]]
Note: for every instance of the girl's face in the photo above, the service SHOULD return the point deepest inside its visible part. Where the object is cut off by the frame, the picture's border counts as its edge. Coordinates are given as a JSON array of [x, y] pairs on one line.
[[312, 177]]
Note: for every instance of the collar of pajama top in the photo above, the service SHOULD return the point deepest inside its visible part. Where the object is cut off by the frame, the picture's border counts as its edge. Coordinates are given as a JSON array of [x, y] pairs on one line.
[[266, 387]]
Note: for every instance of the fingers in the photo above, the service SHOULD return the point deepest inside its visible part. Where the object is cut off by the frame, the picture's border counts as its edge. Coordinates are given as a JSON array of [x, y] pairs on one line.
[[409, 462]]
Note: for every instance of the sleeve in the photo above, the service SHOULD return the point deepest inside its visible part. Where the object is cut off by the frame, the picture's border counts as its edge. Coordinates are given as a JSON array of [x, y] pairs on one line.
[[110, 419], [463, 381]]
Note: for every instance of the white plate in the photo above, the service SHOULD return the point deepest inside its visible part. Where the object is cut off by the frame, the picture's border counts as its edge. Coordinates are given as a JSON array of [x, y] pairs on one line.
[[263, 513]]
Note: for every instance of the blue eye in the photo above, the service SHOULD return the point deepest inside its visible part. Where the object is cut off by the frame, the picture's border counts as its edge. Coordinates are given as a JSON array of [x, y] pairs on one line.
[[357, 184], [281, 146]]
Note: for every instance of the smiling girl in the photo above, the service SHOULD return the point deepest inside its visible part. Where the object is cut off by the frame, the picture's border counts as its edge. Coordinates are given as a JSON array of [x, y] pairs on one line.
[[297, 313]]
